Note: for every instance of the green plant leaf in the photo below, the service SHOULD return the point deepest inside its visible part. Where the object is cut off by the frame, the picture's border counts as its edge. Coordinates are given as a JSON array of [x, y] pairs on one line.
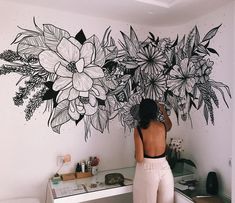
[[187, 161]]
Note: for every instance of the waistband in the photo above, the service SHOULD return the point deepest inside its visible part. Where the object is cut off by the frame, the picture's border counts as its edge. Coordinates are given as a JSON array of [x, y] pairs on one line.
[[149, 163], [158, 160], [155, 157]]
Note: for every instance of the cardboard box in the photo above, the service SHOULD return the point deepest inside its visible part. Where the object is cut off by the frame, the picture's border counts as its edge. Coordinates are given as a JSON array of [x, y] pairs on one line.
[[68, 176], [83, 174]]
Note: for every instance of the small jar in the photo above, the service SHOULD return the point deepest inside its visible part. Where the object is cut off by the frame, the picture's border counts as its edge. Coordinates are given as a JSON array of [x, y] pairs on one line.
[[94, 170]]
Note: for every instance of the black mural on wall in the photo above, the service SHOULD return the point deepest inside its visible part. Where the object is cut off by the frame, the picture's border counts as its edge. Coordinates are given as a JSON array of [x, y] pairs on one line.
[[86, 79]]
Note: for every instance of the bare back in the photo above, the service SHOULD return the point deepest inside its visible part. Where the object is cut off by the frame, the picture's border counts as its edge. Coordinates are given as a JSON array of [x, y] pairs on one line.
[[154, 139]]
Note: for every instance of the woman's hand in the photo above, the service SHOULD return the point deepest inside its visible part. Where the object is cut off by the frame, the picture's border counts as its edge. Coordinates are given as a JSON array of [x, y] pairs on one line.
[[167, 120], [161, 107]]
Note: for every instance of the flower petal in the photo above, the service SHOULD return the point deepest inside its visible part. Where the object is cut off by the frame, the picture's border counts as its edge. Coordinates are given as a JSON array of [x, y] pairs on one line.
[[88, 53], [73, 110], [80, 107], [184, 66], [94, 71], [191, 68], [89, 109], [176, 71], [48, 59], [73, 94], [62, 83], [63, 95], [189, 84], [80, 65], [82, 82], [92, 100], [99, 92], [68, 50], [75, 42], [84, 94], [63, 71]]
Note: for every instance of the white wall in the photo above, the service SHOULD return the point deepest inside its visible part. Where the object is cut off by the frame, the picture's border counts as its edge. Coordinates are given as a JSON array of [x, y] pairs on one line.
[[29, 149], [233, 133], [211, 146]]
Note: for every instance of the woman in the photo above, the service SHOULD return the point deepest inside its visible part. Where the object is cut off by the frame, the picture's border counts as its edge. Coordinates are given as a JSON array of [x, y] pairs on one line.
[[153, 180]]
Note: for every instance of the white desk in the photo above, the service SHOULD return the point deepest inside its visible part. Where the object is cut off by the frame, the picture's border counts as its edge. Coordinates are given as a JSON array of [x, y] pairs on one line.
[[81, 190], [86, 189]]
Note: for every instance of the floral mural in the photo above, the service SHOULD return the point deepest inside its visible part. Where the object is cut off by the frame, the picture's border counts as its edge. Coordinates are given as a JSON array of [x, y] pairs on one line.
[[84, 79]]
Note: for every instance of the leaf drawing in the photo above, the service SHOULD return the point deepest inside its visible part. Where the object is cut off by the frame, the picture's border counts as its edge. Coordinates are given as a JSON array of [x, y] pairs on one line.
[[60, 116], [53, 35], [211, 33], [83, 78], [99, 120], [31, 46]]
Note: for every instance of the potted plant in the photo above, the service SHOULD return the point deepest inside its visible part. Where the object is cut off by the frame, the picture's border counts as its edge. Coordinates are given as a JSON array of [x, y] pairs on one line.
[[174, 150]]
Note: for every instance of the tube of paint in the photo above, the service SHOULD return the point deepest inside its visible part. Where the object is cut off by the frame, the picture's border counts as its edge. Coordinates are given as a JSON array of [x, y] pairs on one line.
[[83, 167]]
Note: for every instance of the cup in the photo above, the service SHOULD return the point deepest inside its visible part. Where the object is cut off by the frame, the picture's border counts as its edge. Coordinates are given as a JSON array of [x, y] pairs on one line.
[[94, 170]]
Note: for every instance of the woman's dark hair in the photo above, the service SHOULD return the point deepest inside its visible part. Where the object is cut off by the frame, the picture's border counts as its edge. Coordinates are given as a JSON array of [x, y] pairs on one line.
[[148, 111]]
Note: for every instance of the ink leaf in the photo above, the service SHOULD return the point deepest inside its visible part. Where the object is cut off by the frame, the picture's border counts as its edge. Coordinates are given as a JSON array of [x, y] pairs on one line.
[[176, 42], [213, 51], [60, 116], [197, 36], [31, 46], [80, 36], [53, 35], [99, 52], [152, 36], [129, 46], [99, 120], [202, 49], [206, 114], [134, 38], [211, 33]]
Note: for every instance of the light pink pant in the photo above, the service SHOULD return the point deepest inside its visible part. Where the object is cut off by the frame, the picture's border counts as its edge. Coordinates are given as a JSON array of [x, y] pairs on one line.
[[153, 182]]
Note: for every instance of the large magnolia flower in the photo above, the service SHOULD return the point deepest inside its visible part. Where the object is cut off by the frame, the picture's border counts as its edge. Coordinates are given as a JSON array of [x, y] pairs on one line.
[[74, 67], [78, 107], [151, 60], [82, 105], [182, 78]]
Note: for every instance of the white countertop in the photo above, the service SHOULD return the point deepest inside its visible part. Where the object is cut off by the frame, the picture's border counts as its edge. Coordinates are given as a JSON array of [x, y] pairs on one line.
[[91, 188]]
